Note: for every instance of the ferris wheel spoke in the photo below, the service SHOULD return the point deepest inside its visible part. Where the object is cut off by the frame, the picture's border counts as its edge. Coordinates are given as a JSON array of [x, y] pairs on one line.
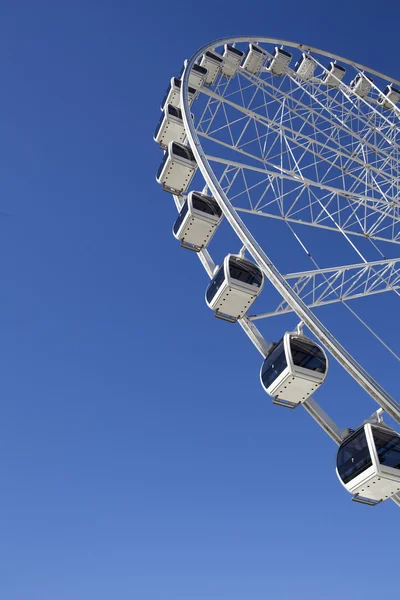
[[330, 121], [328, 286], [315, 145], [372, 120], [270, 215], [324, 150], [347, 200], [349, 204]]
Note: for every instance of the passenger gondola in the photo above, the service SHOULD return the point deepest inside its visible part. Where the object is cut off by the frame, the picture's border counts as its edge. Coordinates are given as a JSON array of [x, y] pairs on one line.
[[254, 59], [232, 58], [173, 94], [333, 75], [212, 61], [197, 75], [170, 127], [197, 222], [234, 287], [294, 368], [361, 85], [278, 62], [368, 463], [389, 97], [305, 67], [177, 168]]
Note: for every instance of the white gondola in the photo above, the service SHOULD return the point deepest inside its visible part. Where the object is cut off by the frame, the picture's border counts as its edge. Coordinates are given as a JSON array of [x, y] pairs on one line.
[[279, 61], [232, 59], [170, 127], [197, 222], [254, 59], [333, 75], [389, 96], [173, 94], [305, 67], [197, 75], [294, 369], [368, 463], [361, 84], [234, 287], [177, 168], [212, 61]]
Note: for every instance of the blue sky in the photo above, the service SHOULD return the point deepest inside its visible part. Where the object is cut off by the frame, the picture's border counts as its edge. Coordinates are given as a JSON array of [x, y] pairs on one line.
[[140, 458]]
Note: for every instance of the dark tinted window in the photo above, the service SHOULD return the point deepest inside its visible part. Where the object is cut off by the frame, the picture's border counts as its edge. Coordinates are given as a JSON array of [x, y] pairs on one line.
[[181, 216], [388, 447], [273, 365], [160, 168], [159, 125], [279, 51], [353, 456], [214, 57], [176, 83], [167, 91], [215, 283], [174, 112], [206, 204], [182, 151], [199, 69], [234, 50], [242, 270], [390, 88], [340, 68], [307, 355], [256, 49]]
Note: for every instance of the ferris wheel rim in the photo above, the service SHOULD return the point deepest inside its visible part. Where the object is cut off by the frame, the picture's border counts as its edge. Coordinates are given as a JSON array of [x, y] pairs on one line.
[[374, 389], [298, 45]]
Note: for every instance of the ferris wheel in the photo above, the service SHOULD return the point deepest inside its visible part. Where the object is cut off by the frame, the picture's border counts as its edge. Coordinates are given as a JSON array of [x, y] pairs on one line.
[[261, 131]]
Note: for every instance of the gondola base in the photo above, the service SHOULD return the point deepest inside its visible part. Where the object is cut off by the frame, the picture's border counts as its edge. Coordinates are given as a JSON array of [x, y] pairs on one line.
[[285, 403], [190, 246], [363, 500], [171, 190], [223, 317]]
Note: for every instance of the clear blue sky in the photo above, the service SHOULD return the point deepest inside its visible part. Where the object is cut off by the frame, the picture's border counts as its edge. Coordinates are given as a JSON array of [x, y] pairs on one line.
[[140, 458]]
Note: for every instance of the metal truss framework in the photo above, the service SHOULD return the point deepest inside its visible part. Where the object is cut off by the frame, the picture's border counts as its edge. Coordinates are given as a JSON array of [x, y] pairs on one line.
[[338, 284], [258, 340], [311, 156]]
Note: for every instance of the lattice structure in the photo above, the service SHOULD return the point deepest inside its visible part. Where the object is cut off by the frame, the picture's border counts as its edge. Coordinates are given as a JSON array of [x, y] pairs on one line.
[[310, 149]]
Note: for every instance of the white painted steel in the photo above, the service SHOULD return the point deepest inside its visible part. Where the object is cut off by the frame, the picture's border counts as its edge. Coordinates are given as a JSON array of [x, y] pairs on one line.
[[233, 297], [260, 343], [171, 128], [212, 61], [254, 59], [176, 172], [247, 325], [295, 384], [338, 284], [378, 482], [303, 311], [305, 67], [232, 59], [197, 227]]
